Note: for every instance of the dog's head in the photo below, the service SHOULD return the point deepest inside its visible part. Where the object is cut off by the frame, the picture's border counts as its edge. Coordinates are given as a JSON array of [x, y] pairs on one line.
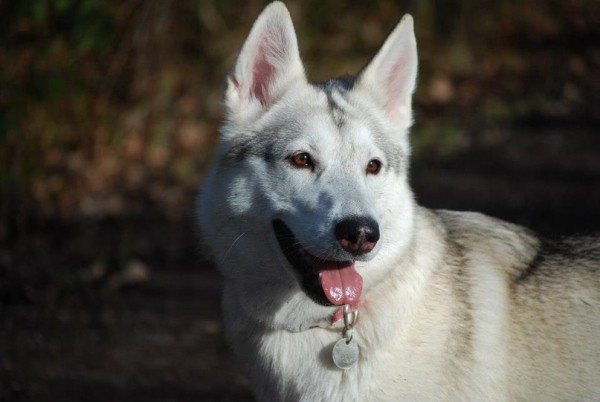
[[308, 204]]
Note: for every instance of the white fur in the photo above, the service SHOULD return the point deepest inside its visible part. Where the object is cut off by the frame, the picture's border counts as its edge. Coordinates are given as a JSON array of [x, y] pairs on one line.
[[442, 318]]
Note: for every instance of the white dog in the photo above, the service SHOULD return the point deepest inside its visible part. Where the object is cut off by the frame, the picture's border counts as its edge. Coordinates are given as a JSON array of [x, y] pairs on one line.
[[309, 216]]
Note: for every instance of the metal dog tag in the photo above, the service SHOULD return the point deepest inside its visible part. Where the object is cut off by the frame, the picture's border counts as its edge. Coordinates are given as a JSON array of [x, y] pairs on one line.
[[345, 353]]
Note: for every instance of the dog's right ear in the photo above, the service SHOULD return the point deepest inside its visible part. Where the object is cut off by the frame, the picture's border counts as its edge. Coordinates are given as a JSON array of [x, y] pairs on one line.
[[268, 64], [390, 77]]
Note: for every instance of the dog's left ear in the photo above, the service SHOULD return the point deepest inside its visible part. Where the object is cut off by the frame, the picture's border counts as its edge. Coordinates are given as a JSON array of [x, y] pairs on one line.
[[268, 64], [390, 77]]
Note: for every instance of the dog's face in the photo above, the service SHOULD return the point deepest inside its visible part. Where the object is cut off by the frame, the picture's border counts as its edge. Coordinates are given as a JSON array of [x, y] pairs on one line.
[[310, 181]]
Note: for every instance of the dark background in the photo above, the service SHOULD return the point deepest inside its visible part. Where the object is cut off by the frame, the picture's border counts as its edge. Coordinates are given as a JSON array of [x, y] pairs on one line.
[[108, 116]]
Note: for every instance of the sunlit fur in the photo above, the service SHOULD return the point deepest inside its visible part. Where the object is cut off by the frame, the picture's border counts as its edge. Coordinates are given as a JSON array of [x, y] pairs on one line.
[[457, 306]]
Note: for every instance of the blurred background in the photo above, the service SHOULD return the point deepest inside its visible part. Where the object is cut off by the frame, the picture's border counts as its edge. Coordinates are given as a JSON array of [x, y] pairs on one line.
[[109, 112]]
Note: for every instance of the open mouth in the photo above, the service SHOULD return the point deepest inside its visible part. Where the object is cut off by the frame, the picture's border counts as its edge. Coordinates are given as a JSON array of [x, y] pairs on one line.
[[327, 282]]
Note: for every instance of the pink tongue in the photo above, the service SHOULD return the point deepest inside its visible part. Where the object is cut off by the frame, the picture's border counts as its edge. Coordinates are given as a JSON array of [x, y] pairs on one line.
[[340, 282]]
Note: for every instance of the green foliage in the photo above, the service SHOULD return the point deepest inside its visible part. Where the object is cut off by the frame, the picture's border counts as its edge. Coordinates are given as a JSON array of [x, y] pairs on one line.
[[102, 99], [49, 85], [85, 24]]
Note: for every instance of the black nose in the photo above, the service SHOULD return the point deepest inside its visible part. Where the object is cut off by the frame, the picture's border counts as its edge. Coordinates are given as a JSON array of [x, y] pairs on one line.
[[357, 235]]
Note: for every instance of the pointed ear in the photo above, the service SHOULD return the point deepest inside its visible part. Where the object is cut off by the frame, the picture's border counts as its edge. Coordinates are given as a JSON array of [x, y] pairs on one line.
[[269, 61], [390, 77]]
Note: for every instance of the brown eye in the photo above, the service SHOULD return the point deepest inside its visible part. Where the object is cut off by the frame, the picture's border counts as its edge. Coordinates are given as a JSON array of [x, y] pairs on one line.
[[301, 160], [373, 167]]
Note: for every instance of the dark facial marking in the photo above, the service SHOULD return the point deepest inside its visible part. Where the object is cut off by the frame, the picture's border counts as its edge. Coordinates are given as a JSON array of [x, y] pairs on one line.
[[261, 144], [339, 85]]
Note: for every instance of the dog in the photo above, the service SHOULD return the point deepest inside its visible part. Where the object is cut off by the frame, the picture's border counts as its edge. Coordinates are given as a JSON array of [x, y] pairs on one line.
[[339, 287]]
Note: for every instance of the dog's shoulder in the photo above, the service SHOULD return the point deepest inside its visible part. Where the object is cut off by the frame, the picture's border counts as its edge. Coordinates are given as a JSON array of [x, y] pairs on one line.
[[478, 232], [504, 247], [565, 259], [520, 252]]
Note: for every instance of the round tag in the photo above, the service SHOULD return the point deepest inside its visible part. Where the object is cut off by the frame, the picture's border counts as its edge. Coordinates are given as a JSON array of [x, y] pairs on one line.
[[345, 353]]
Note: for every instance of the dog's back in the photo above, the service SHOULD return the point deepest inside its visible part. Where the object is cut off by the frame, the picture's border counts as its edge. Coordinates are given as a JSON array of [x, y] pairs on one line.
[[555, 322], [540, 296]]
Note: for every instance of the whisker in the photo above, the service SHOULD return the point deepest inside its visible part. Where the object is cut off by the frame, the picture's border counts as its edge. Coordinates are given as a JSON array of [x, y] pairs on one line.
[[231, 247]]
